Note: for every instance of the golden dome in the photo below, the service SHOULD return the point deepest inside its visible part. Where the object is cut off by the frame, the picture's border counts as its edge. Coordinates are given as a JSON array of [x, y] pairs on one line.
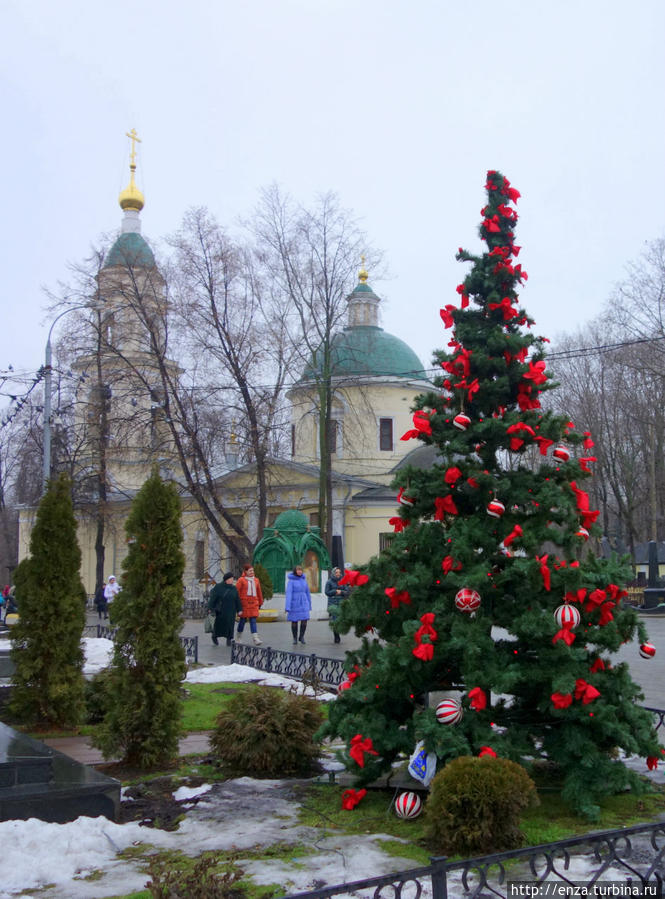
[[131, 197], [362, 274]]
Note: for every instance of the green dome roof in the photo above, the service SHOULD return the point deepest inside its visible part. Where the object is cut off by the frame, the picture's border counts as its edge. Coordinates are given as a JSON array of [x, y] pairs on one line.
[[130, 249], [292, 521], [369, 351]]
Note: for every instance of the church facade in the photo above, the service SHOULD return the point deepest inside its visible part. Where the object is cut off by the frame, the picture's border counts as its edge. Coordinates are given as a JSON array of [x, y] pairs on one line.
[[376, 377]]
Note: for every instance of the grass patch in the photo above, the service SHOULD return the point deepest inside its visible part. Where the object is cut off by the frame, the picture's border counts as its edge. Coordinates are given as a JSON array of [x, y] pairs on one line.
[[202, 704]]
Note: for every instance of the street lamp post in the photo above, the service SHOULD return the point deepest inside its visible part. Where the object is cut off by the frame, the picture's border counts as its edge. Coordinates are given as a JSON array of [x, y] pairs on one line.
[[48, 371]]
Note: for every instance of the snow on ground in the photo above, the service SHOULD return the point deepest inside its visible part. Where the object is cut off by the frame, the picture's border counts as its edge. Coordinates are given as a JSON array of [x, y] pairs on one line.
[[244, 674], [97, 652]]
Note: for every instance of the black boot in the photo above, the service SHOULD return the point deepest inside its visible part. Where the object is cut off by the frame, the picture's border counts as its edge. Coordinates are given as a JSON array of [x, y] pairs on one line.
[[303, 627], [337, 638], [215, 640], [294, 631]]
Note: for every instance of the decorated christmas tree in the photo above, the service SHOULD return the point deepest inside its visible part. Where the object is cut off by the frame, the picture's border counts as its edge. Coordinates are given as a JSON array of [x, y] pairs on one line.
[[488, 593]]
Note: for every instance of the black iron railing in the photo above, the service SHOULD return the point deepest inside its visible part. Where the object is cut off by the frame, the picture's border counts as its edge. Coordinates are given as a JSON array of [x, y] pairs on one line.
[[633, 855], [291, 664], [190, 644]]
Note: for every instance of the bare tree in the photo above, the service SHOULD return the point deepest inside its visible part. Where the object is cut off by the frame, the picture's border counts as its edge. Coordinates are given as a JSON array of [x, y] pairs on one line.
[[311, 257]]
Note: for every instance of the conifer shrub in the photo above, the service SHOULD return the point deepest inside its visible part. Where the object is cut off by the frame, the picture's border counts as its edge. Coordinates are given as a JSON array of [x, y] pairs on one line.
[[268, 733], [96, 698], [475, 805], [144, 706], [265, 580], [46, 641]]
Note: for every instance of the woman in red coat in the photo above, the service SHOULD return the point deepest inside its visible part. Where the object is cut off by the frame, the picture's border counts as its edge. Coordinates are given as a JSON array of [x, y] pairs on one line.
[[251, 598]]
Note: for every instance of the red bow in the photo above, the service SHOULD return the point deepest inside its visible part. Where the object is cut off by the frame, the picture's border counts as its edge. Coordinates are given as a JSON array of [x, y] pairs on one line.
[[462, 291], [487, 750], [422, 425], [616, 593], [543, 444], [449, 564], [351, 798], [452, 476], [652, 762], [585, 462], [536, 372], [359, 747], [444, 505], [398, 523], [506, 307], [544, 571], [354, 578], [396, 598], [478, 699], [588, 517], [588, 442], [447, 315], [424, 651], [516, 442], [606, 614], [598, 665], [524, 399], [564, 634], [585, 691], [516, 532], [575, 596], [597, 598], [561, 700]]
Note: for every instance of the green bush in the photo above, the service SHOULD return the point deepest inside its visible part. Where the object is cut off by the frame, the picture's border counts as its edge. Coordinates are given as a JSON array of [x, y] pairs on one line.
[[96, 698], [265, 580], [475, 805], [268, 733]]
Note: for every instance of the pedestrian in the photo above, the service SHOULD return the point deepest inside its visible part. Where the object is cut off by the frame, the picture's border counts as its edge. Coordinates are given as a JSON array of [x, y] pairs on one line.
[[251, 599], [298, 603], [225, 603], [101, 601], [111, 590], [335, 594]]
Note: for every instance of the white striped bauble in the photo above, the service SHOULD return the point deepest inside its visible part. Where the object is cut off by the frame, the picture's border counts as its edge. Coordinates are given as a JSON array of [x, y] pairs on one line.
[[449, 711], [467, 600], [408, 805], [561, 453], [495, 508], [461, 421], [567, 616], [647, 650]]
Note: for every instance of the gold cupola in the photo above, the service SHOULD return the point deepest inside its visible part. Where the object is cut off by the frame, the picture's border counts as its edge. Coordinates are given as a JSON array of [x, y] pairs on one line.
[[131, 197]]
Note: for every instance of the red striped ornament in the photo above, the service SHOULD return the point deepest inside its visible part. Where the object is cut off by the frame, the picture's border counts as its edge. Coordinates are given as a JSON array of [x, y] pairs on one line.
[[408, 805], [467, 600], [461, 421], [567, 616], [449, 711], [495, 508], [562, 453], [647, 650]]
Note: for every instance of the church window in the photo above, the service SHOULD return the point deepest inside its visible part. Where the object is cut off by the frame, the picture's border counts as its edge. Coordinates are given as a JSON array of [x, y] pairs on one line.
[[386, 435], [199, 558], [333, 435]]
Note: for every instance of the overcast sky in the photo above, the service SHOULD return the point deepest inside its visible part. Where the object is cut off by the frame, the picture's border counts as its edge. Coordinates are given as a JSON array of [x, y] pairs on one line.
[[398, 107]]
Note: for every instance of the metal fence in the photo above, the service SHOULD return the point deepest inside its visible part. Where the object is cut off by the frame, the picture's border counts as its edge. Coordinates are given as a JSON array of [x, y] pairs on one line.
[[329, 672], [633, 855], [190, 644]]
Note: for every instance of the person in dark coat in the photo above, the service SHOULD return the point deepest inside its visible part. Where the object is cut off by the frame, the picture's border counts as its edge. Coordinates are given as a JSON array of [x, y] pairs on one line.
[[225, 603], [335, 594], [101, 602], [298, 603]]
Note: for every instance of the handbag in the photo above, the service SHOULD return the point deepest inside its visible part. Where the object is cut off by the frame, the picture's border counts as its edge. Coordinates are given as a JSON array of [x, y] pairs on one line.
[[209, 623]]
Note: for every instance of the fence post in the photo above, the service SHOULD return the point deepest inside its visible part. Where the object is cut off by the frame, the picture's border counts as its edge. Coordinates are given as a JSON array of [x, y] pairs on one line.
[[268, 655], [439, 877]]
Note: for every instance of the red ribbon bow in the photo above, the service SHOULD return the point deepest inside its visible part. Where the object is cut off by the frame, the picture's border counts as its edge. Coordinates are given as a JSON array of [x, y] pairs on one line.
[[561, 700], [398, 523], [478, 699], [354, 578], [425, 651], [598, 665], [360, 747], [351, 798], [422, 425], [516, 532], [585, 691], [449, 564], [487, 750], [544, 443], [452, 475], [544, 571], [447, 315], [506, 307], [564, 634], [396, 598], [536, 372], [444, 505]]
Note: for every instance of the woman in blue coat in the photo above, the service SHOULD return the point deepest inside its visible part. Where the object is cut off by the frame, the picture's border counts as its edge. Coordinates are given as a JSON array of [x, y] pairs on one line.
[[298, 602]]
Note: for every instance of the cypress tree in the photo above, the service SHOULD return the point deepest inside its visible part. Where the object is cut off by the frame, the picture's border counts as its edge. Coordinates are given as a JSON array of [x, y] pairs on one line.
[[144, 705], [48, 683], [488, 591]]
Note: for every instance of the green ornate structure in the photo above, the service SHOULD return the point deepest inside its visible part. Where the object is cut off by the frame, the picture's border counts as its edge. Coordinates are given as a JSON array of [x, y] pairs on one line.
[[289, 542]]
